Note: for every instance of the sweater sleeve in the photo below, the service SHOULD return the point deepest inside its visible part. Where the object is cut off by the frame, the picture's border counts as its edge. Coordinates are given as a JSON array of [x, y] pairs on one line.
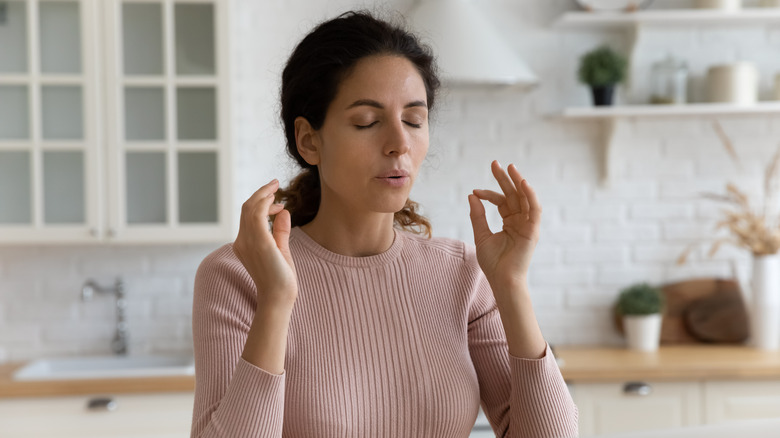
[[233, 398], [520, 397]]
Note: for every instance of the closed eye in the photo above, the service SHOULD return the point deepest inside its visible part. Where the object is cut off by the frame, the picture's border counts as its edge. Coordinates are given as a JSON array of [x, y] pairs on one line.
[[413, 125], [366, 126]]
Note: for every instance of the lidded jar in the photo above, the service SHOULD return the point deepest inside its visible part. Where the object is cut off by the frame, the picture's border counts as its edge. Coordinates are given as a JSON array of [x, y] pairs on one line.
[[669, 81]]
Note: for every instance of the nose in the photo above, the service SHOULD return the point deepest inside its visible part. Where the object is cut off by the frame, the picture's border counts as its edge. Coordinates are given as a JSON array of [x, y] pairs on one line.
[[397, 140]]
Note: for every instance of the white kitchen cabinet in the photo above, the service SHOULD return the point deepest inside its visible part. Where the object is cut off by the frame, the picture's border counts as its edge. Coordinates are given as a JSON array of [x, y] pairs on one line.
[[114, 121], [734, 400], [163, 415], [634, 406], [608, 408]]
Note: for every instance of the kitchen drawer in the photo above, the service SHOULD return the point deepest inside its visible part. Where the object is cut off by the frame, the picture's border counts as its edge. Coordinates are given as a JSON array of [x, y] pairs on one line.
[[614, 408], [164, 415], [741, 400]]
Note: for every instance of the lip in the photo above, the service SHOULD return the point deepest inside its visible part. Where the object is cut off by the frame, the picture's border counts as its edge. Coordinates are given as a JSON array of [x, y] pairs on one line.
[[394, 173], [394, 178]]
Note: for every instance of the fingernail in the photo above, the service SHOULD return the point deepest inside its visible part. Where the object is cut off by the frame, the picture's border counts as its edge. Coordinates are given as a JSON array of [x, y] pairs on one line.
[[499, 163]]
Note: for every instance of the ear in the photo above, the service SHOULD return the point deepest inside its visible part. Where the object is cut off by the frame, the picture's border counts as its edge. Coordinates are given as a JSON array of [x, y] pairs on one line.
[[308, 141]]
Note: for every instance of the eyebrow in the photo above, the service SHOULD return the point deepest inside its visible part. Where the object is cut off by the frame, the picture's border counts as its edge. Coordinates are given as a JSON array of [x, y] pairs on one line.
[[375, 104]]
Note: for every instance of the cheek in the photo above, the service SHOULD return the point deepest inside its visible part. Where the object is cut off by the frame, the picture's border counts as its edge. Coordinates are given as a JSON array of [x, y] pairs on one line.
[[421, 149]]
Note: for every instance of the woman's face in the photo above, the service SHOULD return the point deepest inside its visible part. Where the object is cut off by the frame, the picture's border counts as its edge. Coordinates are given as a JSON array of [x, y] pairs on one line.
[[374, 137]]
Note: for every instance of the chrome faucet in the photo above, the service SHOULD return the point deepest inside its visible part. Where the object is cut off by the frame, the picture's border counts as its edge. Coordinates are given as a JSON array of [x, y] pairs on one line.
[[119, 343]]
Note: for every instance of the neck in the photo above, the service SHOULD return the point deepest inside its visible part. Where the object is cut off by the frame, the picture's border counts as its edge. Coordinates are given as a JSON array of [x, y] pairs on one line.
[[352, 236]]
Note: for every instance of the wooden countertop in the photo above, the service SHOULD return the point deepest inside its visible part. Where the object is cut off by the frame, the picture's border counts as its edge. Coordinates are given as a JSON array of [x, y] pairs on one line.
[[578, 364], [673, 362], [44, 388]]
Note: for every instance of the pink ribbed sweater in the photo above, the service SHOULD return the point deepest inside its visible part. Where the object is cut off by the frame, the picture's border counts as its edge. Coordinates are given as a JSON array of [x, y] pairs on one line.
[[406, 343]]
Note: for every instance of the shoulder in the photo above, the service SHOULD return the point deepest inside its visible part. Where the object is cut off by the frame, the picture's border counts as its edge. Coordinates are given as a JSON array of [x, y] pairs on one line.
[[221, 269], [221, 259]]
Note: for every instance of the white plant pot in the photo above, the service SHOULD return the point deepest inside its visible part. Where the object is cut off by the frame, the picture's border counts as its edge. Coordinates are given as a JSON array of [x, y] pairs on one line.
[[643, 332], [765, 303]]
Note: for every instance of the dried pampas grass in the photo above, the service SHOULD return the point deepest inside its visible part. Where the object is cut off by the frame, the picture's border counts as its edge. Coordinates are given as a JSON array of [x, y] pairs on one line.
[[750, 228]]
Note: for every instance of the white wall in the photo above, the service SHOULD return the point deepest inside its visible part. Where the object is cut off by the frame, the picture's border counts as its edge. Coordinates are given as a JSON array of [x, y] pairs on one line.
[[595, 240]]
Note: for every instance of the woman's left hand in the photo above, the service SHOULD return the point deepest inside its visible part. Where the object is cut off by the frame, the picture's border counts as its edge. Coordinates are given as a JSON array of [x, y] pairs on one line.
[[506, 256]]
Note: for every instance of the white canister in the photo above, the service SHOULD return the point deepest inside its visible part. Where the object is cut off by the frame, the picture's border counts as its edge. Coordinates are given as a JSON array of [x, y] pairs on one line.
[[735, 83], [725, 5], [777, 87]]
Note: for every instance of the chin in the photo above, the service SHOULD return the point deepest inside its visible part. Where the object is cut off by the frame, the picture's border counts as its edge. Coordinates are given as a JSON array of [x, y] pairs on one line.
[[391, 207]]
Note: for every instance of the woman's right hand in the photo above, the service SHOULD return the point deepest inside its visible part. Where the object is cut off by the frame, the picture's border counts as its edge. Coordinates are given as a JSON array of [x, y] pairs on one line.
[[264, 253]]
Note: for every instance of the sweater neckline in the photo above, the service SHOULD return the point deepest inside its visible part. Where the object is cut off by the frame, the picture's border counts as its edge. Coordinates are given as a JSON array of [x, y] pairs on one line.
[[339, 259]]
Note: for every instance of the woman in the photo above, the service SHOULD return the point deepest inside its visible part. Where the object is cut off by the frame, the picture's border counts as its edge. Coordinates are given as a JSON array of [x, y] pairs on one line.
[[340, 321]]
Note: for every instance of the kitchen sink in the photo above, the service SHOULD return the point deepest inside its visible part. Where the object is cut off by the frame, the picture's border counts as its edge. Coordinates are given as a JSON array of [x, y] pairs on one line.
[[100, 367]]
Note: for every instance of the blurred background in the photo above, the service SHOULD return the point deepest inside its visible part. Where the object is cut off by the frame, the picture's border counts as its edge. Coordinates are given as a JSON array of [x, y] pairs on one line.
[[131, 133]]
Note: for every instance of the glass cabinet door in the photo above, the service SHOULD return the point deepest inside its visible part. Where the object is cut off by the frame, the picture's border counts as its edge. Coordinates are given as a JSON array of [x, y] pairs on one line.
[[168, 145], [47, 146]]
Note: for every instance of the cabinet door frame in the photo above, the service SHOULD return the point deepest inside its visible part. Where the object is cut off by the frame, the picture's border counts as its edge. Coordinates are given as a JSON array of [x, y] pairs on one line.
[[157, 414], [591, 397], [118, 230], [89, 80], [739, 400], [103, 119]]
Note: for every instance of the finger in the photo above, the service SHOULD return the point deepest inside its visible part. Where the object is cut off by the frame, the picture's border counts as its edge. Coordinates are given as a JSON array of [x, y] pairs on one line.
[[494, 198], [275, 209], [507, 186], [263, 192], [478, 220], [535, 207], [517, 179], [281, 231], [255, 220]]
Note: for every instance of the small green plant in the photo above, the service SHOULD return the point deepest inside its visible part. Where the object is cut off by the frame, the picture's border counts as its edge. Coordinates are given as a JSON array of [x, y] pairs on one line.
[[640, 299], [602, 66]]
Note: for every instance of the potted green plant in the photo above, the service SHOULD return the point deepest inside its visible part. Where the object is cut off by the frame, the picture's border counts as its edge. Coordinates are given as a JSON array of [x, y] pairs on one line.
[[602, 69], [641, 306]]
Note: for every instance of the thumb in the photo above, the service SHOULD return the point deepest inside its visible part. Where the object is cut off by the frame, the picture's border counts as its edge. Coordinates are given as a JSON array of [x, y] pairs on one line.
[[478, 220], [281, 231]]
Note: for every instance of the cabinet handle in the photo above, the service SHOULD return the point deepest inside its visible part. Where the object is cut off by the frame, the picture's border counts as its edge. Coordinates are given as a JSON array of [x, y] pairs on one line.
[[101, 404], [637, 388]]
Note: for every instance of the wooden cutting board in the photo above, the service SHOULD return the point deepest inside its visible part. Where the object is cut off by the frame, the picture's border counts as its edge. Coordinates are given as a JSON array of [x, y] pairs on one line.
[[721, 317], [702, 310]]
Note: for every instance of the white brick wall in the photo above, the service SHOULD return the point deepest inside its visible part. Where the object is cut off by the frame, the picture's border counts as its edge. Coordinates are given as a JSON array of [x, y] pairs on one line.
[[595, 240]]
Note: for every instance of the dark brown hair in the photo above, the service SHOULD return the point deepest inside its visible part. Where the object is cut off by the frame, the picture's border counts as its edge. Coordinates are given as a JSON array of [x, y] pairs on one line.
[[311, 79]]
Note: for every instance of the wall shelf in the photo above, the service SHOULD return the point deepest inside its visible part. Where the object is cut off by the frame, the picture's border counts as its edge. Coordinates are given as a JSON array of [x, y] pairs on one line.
[[690, 109], [613, 119], [573, 20], [614, 126]]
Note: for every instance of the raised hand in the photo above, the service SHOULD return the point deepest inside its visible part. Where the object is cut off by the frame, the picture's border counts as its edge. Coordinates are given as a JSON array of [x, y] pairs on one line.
[[264, 252], [505, 256]]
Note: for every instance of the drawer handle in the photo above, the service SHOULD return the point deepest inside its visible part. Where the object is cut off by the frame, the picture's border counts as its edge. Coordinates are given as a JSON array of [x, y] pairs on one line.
[[637, 388], [101, 404]]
